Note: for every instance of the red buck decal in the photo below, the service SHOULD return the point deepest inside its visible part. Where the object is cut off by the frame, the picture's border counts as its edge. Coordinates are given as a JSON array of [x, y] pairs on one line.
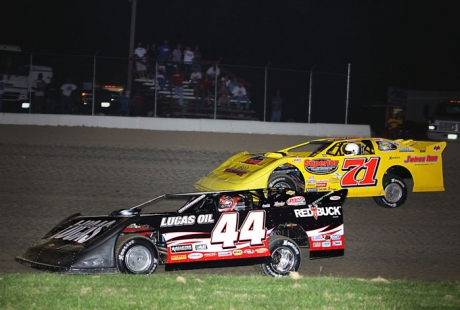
[[353, 167]]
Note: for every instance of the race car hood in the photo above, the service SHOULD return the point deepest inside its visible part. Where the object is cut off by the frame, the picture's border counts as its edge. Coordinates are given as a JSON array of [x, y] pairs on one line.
[[77, 245], [242, 171]]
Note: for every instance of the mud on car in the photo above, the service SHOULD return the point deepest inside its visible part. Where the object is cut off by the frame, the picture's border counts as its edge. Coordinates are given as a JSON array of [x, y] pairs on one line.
[[265, 227]]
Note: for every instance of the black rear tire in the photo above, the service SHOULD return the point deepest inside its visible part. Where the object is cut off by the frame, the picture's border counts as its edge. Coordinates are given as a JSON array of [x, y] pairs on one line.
[[395, 192], [282, 181], [285, 257], [136, 254]]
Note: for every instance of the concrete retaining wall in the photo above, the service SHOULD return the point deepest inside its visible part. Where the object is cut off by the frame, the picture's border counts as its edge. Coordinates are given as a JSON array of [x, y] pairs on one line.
[[178, 124]]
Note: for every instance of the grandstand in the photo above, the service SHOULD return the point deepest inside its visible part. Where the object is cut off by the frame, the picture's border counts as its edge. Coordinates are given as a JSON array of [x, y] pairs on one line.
[[167, 102]]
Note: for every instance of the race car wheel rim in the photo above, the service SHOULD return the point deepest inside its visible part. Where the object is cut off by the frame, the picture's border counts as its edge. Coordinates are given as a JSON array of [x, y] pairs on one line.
[[393, 192], [283, 260], [138, 259]]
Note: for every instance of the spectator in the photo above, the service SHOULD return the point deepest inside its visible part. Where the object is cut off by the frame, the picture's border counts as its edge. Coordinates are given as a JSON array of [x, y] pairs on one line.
[[161, 71], [170, 69], [224, 95], [201, 90], [51, 96], [177, 56], [213, 72], [152, 56], [140, 58], [226, 80], [277, 107], [188, 59], [4, 79], [239, 93], [39, 86], [177, 81], [210, 91], [195, 76], [138, 105], [232, 84], [164, 50], [197, 57], [124, 104], [66, 96]]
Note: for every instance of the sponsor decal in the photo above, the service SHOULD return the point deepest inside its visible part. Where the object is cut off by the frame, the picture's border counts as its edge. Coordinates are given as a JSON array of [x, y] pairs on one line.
[[336, 237], [83, 230], [316, 238], [421, 159], [185, 220], [247, 251], [181, 248], [253, 160], [226, 203], [261, 250], [312, 190], [195, 255], [406, 149], [326, 244], [290, 192], [201, 247], [316, 244], [226, 253], [279, 203], [238, 171], [178, 257], [321, 166], [334, 198], [321, 184], [237, 252], [336, 243], [296, 201], [394, 157], [289, 243], [297, 160], [315, 211], [209, 254], [436, 148], [266, 205]]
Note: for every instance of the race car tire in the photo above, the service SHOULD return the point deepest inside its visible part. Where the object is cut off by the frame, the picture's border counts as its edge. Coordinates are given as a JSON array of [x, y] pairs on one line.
[[285, 257], [395, 192], [281, 181], [136, 254]]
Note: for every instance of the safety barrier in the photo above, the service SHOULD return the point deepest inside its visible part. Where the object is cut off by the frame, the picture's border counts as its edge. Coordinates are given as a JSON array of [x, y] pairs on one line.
[[198, 125]]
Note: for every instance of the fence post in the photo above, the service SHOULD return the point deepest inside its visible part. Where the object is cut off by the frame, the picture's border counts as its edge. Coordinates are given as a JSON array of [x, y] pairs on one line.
[[29, 90], [309, 95], [348, 94], [265, 95], [215, 90], [131, 44], [94, 83]]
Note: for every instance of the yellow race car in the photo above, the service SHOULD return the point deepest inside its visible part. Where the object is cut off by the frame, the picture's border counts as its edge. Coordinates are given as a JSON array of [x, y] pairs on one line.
[[367, 167]]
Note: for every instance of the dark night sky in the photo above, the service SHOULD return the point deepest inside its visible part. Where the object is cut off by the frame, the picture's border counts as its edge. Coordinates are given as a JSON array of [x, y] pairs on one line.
[[407, 44]]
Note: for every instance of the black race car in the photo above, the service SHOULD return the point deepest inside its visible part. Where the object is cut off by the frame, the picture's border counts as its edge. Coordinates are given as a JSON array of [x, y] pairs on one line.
[[263, 227]]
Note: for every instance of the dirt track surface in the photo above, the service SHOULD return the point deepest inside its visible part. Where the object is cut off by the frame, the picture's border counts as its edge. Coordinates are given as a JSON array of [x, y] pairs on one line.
[[48, 173]]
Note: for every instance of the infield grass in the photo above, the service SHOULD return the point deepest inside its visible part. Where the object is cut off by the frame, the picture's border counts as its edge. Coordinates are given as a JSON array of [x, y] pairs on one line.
[[193, 291]]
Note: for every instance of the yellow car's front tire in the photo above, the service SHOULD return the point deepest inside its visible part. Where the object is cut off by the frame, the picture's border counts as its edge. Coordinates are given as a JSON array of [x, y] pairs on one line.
[[395, 192]]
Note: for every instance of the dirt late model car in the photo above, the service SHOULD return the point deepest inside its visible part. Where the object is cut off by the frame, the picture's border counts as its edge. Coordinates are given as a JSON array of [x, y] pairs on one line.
[[367, 167], [261, 227]]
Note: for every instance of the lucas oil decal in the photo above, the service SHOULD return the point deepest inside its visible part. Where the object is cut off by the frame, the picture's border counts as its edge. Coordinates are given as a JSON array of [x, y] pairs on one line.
[[186, 220], [83, 230]]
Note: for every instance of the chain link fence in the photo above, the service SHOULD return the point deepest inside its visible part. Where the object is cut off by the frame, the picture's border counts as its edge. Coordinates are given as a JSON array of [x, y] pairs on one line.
[[315, 95]]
